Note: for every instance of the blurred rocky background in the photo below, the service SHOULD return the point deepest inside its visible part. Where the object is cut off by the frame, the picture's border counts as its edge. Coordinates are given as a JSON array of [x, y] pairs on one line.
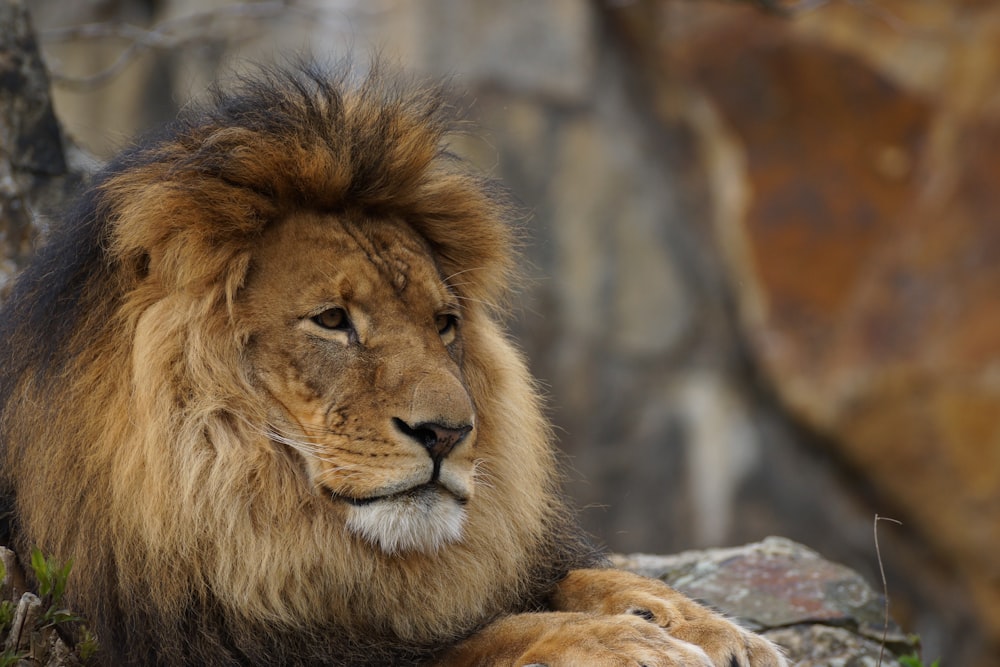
[[762, 242]]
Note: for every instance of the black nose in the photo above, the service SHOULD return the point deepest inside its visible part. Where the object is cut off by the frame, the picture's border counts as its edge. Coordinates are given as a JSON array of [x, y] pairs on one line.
[[438, 439]]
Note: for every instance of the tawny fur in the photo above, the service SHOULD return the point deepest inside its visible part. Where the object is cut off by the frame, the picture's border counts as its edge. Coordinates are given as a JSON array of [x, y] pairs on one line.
[[134, 434]]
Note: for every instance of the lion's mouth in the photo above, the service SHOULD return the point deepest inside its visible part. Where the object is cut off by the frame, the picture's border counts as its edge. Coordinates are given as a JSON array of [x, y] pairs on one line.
[[424, 491], [422, 518]]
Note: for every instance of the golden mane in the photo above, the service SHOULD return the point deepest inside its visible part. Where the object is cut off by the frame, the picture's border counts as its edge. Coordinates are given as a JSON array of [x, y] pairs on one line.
[[132, 436]]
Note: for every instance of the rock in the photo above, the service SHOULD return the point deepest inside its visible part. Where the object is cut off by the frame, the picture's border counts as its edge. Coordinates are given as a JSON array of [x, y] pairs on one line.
[[510, 45], [26, 616], [59, 654], [12, 585], [34, 175], [822, 613], [858, 216], [827, 646]]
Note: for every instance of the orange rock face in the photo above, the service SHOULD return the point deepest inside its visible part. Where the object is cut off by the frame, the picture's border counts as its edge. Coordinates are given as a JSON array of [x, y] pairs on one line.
[[865, 249]]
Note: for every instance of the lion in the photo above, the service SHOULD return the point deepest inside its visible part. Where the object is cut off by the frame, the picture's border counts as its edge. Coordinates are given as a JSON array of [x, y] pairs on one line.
[[257, 388]]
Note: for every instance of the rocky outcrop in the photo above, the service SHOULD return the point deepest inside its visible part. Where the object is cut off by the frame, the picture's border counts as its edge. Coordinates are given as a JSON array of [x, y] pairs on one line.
[[856, 150], [32, 164], [820, 612]]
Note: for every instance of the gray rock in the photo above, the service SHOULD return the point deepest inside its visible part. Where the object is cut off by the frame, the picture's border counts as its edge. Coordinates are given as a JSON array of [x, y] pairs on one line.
[[822, 613], [827, 646]]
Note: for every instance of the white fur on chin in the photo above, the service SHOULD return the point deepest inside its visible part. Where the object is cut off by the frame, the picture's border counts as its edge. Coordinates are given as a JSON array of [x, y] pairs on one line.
[[423, 522]]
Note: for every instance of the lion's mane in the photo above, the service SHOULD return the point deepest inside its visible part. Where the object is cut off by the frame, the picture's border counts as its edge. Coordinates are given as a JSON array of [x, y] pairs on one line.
[[131, 438]]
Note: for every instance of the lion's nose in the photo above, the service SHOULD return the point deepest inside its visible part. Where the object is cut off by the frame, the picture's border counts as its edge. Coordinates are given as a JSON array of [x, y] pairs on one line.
[[438, 439]]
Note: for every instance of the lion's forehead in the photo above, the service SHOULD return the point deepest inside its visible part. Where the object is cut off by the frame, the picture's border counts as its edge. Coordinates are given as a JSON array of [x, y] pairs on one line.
[[356, 261], [398, 254]]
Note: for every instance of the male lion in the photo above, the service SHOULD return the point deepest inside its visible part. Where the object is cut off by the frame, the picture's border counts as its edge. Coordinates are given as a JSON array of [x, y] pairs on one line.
[[256, 388]]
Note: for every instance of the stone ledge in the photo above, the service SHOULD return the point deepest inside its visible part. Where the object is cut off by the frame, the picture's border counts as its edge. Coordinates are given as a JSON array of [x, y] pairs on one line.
[[820, 612]]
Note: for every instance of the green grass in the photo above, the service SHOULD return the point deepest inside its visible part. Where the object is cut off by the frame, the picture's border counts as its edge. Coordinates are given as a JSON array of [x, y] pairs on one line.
[[52, 578], [7, 610], [917, 661], [9, 658]]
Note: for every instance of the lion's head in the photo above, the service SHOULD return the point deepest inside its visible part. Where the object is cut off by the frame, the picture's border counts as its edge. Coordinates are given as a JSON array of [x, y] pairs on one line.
[[257, 388], [355, 339]]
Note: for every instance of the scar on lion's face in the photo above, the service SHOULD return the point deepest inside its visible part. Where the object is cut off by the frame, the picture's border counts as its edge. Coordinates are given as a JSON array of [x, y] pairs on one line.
[[362, 323]]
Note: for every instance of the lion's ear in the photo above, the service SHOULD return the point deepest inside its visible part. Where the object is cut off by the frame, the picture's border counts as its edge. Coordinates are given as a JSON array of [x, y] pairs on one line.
[[181, 230]]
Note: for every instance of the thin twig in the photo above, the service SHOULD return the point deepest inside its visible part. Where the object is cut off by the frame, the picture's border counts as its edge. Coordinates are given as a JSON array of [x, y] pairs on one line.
[[885, 586], [790, 7], [170, 34], [160, 35]]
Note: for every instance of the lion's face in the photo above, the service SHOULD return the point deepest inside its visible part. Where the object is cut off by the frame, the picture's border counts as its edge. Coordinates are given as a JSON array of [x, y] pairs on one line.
[[356, 342]]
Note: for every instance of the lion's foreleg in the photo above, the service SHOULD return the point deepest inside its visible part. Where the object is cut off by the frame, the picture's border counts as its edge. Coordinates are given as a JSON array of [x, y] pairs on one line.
[[567, 639]]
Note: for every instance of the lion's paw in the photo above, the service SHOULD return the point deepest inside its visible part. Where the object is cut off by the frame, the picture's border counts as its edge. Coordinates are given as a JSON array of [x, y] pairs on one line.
[[570, 640], [725, 643], [610, 641], [615, 592]]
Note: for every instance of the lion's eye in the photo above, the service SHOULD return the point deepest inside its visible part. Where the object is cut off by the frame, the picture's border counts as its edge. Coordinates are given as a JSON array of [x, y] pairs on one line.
[[333, 318], [447, 324]]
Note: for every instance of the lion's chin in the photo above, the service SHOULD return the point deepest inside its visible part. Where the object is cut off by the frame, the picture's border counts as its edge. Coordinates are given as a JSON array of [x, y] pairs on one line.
[[420, 521]]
